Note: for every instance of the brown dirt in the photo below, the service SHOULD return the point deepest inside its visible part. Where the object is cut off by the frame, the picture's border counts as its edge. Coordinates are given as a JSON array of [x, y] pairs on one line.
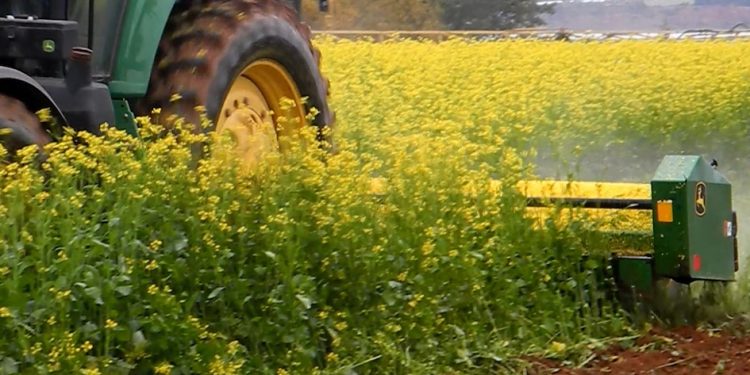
[[680, 351]]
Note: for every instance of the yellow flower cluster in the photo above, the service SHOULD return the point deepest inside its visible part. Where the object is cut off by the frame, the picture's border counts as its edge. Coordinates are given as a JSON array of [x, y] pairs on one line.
[[64, 349], [565, 97]]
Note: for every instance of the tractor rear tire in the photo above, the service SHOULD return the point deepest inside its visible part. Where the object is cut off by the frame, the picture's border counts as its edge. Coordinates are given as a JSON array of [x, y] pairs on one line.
[[19, 126], [211, 49]]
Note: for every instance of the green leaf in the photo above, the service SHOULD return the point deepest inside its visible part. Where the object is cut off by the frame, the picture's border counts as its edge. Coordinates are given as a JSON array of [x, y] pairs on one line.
[[389, 298], [591, 264], [100, 243], [215, 292], [139, 342], [180, 244], [113, 222], [305, 301], [124, 290], [89, 328], [459, 332], [95, 293], [9, 366]]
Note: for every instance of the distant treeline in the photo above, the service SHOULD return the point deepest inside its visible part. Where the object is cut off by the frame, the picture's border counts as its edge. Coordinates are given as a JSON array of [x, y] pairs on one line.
[[425, 14], [630, 15]]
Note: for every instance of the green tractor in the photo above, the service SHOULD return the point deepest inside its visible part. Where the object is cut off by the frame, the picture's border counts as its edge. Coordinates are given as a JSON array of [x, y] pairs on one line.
[[99, 61]]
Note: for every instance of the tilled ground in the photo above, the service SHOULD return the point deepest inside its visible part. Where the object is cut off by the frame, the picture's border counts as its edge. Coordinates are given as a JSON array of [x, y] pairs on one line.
[[680, 351]]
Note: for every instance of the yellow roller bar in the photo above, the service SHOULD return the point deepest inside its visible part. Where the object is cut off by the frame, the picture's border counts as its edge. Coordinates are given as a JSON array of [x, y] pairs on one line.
[[606, 219], [583, 189], [559, 189]]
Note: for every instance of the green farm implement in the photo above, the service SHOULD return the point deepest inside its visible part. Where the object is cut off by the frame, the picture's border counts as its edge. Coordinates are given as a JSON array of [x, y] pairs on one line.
[[682, 223], [689, 214]]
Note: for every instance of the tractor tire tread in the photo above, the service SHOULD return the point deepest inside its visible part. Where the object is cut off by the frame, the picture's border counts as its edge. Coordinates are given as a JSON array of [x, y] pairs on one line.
[[203, 35], [206, 30], [168, 67]]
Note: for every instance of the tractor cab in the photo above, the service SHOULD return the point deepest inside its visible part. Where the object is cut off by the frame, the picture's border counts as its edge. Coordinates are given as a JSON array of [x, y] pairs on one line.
[[66, 48], [57, 24]]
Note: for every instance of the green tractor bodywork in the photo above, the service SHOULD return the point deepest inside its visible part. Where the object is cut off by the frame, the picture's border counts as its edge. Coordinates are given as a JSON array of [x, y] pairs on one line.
[[142, 29], [144, 23]]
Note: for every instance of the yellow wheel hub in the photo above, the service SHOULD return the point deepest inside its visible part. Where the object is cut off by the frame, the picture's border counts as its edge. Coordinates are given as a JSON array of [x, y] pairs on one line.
[[251, 108]]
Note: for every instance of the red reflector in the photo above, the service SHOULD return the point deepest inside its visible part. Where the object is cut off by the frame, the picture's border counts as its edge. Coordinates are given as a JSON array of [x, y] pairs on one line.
[[696, 262]]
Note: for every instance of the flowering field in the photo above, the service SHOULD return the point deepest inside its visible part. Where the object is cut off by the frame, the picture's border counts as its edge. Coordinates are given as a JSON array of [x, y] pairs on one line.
[[604, 104], [117, 256]]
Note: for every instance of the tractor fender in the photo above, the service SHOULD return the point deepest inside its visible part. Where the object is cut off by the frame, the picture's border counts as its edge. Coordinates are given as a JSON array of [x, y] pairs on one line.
[[21, 86]]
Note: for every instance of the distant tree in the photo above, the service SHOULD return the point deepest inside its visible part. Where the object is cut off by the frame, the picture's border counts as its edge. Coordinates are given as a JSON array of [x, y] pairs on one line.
[[492, 14], [373, 15]]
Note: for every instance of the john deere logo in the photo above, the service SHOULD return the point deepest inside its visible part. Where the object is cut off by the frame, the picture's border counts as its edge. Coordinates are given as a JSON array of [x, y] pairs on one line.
[[700, 198], [48, 46]]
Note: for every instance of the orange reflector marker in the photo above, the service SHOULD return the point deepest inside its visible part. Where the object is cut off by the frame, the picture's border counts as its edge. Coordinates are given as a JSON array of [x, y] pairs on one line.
[[664, 211], [696, 262]]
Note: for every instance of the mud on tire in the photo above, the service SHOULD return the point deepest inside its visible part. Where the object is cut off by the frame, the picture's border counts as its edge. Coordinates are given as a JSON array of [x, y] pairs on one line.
[[19, 126]]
